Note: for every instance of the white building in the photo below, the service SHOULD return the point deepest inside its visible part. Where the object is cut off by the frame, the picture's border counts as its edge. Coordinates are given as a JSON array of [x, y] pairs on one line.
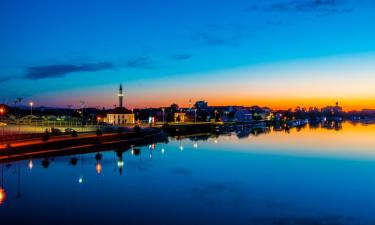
[[120, 115]]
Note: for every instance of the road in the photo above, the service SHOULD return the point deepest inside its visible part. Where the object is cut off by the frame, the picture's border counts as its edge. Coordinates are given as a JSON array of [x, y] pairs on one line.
[[34, 141]]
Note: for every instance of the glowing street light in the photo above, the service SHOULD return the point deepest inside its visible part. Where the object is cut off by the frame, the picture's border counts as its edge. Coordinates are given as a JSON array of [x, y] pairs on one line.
[[31, 108]]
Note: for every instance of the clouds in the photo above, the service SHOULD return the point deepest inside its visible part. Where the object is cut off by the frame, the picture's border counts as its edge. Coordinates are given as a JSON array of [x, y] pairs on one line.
[[309, 5], [147, 62], [325, 6], [143, 62], [60, 70], [218, 35]]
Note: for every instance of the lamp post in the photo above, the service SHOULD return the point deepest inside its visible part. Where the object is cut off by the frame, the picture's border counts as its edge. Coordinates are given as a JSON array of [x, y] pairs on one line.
[[31, 111], [31, 108], [163, 109], [70, 118], [2, 111]]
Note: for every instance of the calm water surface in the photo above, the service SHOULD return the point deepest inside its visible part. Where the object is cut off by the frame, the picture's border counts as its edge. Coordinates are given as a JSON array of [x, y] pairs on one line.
[[310, 176]]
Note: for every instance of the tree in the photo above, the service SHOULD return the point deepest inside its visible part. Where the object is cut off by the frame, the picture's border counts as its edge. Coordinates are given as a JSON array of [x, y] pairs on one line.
[[74, 133], [99, 132], [46, 136]]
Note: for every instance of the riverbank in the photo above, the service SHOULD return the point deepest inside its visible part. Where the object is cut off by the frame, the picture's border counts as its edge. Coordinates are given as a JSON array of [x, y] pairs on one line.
[[64, 145]]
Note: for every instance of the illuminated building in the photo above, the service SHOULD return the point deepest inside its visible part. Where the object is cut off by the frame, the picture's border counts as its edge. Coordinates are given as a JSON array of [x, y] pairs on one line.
[[120, 115], [180, 117]]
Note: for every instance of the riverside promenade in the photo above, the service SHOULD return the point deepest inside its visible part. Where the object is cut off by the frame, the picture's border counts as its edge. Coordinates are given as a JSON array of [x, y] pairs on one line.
[[84, 142]]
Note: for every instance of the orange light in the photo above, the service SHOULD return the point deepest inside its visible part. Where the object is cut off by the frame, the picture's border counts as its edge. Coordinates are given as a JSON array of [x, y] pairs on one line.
[[98, 168], [1, 110], [2, 196]]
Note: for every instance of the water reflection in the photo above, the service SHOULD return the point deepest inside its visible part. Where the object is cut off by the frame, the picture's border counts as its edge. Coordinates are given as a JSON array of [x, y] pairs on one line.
[[98, 166], [19, 195], [2, 196], [2, 190], [276, 175], [45, 163], [31, 165], [73, 161], [120, 162]]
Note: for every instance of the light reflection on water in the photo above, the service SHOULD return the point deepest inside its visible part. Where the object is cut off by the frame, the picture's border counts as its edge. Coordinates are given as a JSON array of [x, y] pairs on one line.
[[310, 176]]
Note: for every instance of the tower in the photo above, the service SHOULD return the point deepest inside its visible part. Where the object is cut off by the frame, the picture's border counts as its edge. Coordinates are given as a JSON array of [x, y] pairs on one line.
[[120, 97]]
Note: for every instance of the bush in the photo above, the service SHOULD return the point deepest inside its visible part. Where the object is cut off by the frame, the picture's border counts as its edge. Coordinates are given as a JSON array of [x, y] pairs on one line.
[[46, 136], [99, 132], [137, 129], [74, 133]]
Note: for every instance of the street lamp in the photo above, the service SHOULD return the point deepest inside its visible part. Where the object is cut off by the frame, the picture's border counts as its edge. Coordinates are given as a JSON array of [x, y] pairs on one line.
[[2, 111], [31, 108], [31, 111], [163, 109]]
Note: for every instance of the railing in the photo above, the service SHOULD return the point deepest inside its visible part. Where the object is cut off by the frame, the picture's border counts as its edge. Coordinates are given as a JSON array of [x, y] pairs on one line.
[[41, 126]]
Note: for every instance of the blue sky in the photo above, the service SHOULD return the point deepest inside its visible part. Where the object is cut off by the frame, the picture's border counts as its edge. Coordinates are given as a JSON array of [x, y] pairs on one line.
[[59, 52]]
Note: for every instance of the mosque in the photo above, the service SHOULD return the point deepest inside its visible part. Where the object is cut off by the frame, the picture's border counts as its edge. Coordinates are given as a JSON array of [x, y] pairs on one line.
[[120, 115]]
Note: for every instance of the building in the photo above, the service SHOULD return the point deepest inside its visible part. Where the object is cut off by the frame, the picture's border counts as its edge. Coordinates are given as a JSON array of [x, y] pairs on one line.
[[180, 117], [243, 116], [202, 105], [120, 115]]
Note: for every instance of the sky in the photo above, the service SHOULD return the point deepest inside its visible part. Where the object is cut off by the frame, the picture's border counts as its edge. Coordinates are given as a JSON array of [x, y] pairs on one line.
[[276, 53]]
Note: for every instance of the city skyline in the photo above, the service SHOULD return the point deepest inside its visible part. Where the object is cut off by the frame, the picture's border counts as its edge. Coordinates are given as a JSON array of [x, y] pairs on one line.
[[281, 54]]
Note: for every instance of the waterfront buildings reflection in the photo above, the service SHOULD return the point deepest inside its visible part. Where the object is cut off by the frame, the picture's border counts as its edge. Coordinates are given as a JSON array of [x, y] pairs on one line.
[[334, 139]]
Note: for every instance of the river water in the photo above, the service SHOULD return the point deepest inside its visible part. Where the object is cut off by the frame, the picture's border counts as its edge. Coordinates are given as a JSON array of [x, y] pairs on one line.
[[320, 175]]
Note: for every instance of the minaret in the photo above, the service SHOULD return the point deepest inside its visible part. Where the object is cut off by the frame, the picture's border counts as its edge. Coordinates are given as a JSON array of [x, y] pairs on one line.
[[120, 96]]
